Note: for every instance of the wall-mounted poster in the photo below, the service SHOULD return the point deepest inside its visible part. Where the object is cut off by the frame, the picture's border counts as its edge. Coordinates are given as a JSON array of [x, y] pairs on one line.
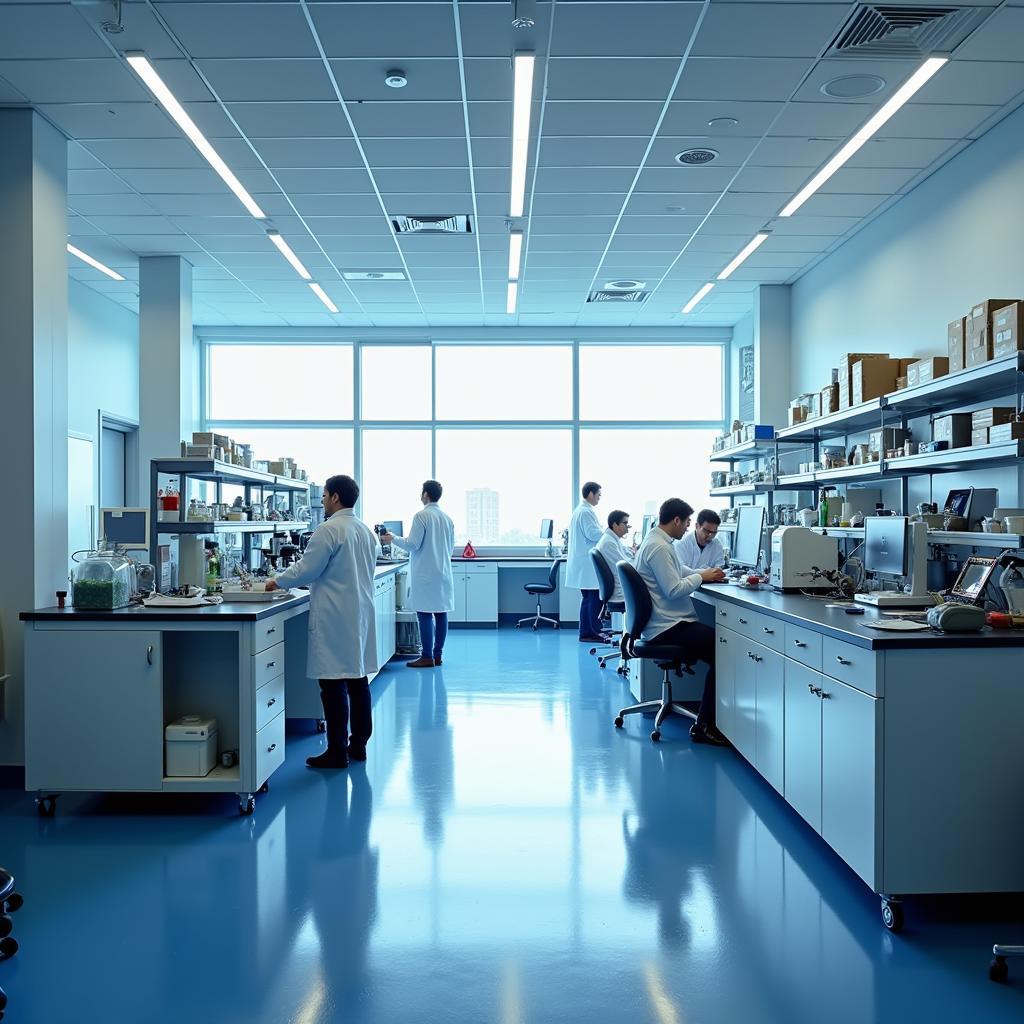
[[747, 383]]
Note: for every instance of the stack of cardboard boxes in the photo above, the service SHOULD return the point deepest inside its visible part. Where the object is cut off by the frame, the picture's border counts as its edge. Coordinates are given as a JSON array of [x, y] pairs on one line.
[[994, 328], [206, 444]]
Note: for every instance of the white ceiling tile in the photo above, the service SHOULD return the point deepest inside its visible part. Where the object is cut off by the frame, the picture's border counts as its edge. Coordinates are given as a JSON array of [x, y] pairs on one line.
[[609, 78], [35, 31], [113, 205], [675, 227], [156, 244], [572, 205], [668, 204], [998, 39], [360, 205], [110, 120], [129, 225], [598, 151], [616, 30], [585, 179], [725, 78], [776, 29], [296, 80], [691, 117], [807, 225], [429, 79], [686, 179], [291, 120], [95, 182], [731, 152], [418, 153], [488, 78], [406, 119], [410, 29], [294, 153], [161, 153], [320, 180], [201, 180], [937, 121], [74, 81], [427, 179], [221, 30], [611, 118]]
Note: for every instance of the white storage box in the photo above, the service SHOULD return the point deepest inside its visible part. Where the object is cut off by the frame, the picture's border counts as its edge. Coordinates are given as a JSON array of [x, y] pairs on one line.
[[190, 746]]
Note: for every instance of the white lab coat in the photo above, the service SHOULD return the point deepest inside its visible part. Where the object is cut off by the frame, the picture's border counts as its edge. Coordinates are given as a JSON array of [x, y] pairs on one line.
[[614, 551], [584, 532], [338, 566], [430, 543], [691, 555]]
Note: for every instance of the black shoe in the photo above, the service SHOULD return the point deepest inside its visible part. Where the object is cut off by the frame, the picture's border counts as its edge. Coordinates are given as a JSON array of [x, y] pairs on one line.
[[357, 751], [327, 760], [591, 640], [707, 734]]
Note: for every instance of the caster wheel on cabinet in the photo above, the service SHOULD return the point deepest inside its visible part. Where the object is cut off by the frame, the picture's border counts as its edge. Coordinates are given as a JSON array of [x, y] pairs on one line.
[[656, 736], [14, 902], [519, 625], [265, 788], [321, 725], [619, 722], [8, 947], [6, 926], [997, 969], [892, 916], [47, 806], [246, 805]]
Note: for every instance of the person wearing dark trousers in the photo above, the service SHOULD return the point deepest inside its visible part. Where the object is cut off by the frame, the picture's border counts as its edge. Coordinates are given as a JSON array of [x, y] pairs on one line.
[[433, 632], [673, 618], [338, 567], [584, 533]]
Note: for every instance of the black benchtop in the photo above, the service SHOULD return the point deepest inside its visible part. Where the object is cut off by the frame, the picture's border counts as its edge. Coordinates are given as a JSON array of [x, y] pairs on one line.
[[814, 614]]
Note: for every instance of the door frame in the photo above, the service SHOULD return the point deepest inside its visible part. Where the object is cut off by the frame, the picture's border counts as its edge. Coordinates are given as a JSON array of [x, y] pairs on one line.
[[130, 428]]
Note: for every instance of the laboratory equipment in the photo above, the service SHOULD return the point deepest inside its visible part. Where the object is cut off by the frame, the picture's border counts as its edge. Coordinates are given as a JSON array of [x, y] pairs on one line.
[[973, 579], [953, 617], [971, 503], [648, 523], [190, 746], [125, 527], [102, 581], [1011, 583], [547, 529], [394, 526], [800, 558], [893, 546], [746, 548]]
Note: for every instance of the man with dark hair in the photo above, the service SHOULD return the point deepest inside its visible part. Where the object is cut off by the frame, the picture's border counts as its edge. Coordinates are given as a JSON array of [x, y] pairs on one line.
[[612, 548], [702, 549], [430, 544], [580, 574], [673, 618], [338, 567]]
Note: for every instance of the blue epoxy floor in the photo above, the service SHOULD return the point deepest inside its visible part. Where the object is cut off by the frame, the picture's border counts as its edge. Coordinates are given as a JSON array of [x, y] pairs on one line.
[[505, 856]]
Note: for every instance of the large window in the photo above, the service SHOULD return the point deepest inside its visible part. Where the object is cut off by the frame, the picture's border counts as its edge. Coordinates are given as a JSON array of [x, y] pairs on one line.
[[510, 430]]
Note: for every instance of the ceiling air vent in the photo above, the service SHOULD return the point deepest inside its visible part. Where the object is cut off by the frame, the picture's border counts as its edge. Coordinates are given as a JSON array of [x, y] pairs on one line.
[[696, 157], [606, 295], [373, 275], [454, 224], [877, 30]]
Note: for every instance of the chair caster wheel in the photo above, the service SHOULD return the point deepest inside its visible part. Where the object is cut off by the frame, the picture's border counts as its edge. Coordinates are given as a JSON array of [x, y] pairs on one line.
[[47, 806], [8, 947], [246, 805], [619, 722], [265, 788], [518, 625], [602, 663], [892, 916], [6, 926], [656, 736], [534, 627], [14, 902], [321, 725], [593, 650], [997, 969]]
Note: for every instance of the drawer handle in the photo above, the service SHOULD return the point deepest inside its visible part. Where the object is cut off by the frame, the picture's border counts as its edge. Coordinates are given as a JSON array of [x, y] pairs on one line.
[[271, 748], [842, 660], [722, 640], [271, 664], [743, 622], [721, 612], [271, 702], [149, 654], [765, 629], [814, 689], [799, 643], [823, 695], [273, 629], [757, 657]]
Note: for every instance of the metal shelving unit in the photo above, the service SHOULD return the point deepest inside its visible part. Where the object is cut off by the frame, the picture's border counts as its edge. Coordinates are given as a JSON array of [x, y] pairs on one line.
[[741, 490], [838, 424], [995, 541]]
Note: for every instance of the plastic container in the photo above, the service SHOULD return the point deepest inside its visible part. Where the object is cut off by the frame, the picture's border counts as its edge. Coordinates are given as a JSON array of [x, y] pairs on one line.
[[190, 746], [102, 582]]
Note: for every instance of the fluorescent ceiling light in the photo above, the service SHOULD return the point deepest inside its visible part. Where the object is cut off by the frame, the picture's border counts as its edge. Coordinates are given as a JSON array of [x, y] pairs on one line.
[[323, 296], [747, 250], [286, 252], [513, 296], [86, 258], [700, 295], [141, 66], [897, 100], [522, 99], [515, 254]]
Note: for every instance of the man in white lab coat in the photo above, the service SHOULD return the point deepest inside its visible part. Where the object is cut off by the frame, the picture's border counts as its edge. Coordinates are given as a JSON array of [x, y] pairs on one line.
[[430, 544], [612, 548], [584, 532], [338, 567], [702, 549]]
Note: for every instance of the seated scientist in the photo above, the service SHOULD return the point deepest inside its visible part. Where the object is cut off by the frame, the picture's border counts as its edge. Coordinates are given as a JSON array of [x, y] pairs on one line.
[[702, 549], [673, 618], [613, 550]]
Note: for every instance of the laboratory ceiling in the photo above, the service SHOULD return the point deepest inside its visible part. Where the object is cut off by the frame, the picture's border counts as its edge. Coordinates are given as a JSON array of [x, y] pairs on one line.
[[293, 97]]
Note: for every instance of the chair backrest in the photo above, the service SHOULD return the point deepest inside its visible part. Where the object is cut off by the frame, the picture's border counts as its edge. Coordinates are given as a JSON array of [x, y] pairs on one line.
[[605, 579], [553, 575], [637, 599]]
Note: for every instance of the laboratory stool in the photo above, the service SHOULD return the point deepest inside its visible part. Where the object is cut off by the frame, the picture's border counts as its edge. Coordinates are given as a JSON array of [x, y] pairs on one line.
[[668, 657], [10, 901], [542, 588], [605, 591], [997, 969]]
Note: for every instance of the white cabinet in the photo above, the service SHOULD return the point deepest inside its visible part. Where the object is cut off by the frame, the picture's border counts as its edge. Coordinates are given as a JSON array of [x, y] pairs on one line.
[[744, 729], [476, 593], [803, 742], [727, 645], [384, 611], [770, 723], [568, 599]]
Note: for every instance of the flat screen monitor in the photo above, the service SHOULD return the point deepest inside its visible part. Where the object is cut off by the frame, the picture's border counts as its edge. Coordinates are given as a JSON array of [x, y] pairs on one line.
[[547, 529], [128, 527], [885, 545], [648, 523], [394, 526], [973, 578], [746, 548]]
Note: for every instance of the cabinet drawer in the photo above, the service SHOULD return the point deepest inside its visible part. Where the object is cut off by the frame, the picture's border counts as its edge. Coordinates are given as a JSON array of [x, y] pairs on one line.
[[267, 665], [269, 749], [266, 633], [803, 645], [853, 665], [481, 569], [757, 626], [269, 701]]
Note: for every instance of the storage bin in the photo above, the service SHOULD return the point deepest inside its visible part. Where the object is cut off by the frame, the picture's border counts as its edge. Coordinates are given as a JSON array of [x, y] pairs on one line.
[[190, 746]]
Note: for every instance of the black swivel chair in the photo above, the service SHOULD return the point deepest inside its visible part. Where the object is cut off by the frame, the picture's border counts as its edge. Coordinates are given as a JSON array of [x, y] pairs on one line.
[[10, 901], [668, 657], [606, 590], [542, 588]]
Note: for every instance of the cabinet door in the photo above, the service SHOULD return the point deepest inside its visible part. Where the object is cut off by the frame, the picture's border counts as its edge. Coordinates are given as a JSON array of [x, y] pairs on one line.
[[389, 636], [849, 775], [482, 597], [94, 710], [745, 698], [459, 615], [771, 711], [378, 615], [803, 742], [726, 646]]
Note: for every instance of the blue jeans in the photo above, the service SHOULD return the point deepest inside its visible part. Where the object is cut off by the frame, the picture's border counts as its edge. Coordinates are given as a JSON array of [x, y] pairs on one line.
[[432, 641], [590, 621]]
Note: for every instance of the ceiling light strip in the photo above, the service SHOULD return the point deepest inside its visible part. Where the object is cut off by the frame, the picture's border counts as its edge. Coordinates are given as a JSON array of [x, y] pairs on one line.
[[323, 296], [289, 255], [760, 237], [898, 99], [688, 308], [515, 254], [141, 66], [86, 258], [522, 100], [513, 297]]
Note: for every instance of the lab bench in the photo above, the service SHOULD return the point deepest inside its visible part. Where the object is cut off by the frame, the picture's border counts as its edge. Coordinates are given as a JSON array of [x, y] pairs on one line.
[[901, 750]]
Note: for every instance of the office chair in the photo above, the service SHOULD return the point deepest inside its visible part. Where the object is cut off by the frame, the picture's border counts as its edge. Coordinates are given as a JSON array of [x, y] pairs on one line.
[[997, 969], [542, 588], [667, 657], [10, 901], [605, 590]]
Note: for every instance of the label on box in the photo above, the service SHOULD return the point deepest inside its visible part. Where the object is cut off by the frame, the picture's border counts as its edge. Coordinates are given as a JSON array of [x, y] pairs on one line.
[[979, 436]]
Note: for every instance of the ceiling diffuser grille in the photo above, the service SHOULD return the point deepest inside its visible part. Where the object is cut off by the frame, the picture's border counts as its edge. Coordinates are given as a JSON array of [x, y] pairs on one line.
[[451, 224], [604, 295], [885, 30]]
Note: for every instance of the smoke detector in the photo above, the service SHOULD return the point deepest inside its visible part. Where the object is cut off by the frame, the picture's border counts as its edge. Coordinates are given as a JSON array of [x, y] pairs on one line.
[[625, 285], [396, 79], [373, 275], [696, 157], [848, 87]]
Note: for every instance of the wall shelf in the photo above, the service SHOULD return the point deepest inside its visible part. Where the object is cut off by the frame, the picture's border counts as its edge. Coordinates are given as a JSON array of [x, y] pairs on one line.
[[955, 459], [228, 526], [739, 490], [212, 471], [990, 380], [748, 451], [861, 417], [994, 541]]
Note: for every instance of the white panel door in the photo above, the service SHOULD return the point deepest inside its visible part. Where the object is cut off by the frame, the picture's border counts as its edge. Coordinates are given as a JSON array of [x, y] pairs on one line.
[[803, 742]]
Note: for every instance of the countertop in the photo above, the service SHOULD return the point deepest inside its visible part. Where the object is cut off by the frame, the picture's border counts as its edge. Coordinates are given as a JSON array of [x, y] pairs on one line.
[[813, 613]]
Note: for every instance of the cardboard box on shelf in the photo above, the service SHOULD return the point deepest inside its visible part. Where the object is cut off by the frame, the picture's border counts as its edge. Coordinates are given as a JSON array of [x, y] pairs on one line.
[[978, 346], [873, 378], [846, 364], [1006, 432], [956, 334], [1008, 330], [207, 437], [901, 383], [888, 437], [979, 435], [279, 468], [993, 417], [797, 414], [924, 371], [829, 399], [905, 364], [954, 428]]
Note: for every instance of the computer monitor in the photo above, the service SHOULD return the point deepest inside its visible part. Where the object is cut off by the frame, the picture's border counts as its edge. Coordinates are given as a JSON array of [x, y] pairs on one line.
[[127, 527], [746, 548], [394, 526], [885, 545], [547, 529], [649, 521]]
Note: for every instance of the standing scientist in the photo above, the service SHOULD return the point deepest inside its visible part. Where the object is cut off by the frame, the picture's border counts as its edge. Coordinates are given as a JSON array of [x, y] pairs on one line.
[[338, 566], [584, 532], [430, 544]]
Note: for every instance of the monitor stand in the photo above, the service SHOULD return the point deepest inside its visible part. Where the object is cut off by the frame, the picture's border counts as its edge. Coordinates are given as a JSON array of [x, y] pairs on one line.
[[918, 596]]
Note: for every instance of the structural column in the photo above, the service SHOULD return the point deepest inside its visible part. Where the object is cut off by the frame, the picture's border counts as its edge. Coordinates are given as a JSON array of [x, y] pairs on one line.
[[33, 390], [772, 354], [168, 388]]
